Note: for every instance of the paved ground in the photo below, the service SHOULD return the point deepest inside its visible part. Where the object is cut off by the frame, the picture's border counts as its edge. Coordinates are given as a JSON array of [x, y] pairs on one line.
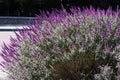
[[4, 37], [8, 23]]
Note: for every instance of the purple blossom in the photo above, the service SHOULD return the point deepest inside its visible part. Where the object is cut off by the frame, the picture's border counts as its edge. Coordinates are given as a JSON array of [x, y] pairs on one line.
[[42, 34], [108, 26], [63, 33], [61, 52], [109, 11], [5, 52], [116, 46], [117, 32], [103, 34], [5, 58], [55, 48], [83, 43], [5, 47], [2, 65], [83, 20], [107, 48], [71, 44], [19, 37], [41, 53], [89, 32]]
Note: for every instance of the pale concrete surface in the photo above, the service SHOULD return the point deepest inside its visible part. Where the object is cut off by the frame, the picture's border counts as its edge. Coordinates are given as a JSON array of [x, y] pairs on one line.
[[4, 37], [3, 76]]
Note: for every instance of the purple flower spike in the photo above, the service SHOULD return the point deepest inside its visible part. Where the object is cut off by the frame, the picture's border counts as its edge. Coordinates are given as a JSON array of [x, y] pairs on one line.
[[108, 26], [63, 33], [2, 65], [89, 32], [55, 48], [19, 37], [103, 34], [83, 43], [5, 52], [109, 11], [117, 46], [61, 52], [40, 53], [5, 47], [117, 32], [5, 58], [55, 35], [107, 48]]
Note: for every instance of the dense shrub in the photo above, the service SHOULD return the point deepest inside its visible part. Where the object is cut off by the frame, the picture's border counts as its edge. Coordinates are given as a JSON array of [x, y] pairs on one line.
[[82, 45]]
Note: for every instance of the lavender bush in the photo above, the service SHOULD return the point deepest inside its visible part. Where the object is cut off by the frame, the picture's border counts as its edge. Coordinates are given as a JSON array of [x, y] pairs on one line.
[[81, 45]]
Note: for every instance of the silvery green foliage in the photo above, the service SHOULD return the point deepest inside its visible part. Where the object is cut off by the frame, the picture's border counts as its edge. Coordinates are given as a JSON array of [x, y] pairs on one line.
[[105, 74], [63, 41]]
